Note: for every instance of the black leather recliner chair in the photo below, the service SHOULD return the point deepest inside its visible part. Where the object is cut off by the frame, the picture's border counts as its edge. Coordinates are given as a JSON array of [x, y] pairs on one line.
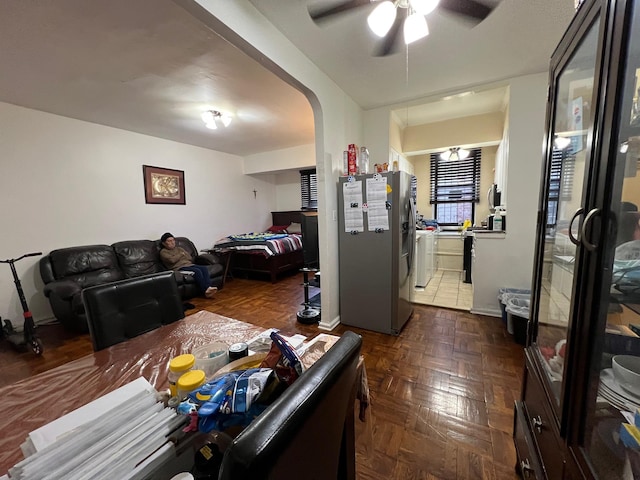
[[118, 311], [67, 271]]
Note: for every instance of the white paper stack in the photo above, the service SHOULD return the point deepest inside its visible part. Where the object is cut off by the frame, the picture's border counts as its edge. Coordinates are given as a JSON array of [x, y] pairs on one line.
[[121, 435]]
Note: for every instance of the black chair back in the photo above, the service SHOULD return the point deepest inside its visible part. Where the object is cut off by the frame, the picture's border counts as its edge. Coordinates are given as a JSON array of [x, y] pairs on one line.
[[121, 310], [308, 431]]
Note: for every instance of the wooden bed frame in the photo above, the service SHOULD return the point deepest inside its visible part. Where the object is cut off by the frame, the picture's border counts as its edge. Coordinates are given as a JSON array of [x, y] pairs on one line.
[[252, 263]]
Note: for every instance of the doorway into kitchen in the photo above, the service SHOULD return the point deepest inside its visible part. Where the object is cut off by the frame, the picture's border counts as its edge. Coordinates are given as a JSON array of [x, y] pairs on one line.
[[446, 289]]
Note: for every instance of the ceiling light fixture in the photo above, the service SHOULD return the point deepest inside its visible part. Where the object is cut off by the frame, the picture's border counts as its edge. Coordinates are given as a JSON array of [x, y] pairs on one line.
[[454, 153], [210, 117], [561, 142], [415, 27]]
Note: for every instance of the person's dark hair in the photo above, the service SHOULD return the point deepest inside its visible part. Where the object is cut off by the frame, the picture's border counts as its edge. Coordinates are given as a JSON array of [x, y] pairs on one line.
[[165, 236], [627, 226]]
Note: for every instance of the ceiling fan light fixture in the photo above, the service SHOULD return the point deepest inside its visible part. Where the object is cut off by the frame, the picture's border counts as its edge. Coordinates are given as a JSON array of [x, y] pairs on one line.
[[382, 18], [415, 28], [561, 142], [455, 153], [226, 120], [211, 116], [424, 7], [208, 117]]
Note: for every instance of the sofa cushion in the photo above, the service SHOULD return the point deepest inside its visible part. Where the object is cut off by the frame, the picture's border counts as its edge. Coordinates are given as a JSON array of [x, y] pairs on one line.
[[138, 257], [87, 266]]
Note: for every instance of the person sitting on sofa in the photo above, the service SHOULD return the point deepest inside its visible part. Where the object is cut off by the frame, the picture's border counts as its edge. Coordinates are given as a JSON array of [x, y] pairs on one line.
[[177, 258]]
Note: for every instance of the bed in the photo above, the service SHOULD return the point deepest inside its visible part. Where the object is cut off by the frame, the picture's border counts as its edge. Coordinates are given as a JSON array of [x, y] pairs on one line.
[[267, 254]]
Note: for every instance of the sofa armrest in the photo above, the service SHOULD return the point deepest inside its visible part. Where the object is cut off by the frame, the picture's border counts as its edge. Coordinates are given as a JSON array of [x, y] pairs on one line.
[[206, 259], [64, 289]]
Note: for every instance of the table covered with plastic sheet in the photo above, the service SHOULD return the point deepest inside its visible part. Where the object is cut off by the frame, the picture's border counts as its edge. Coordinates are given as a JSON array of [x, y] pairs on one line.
[[38, 400]]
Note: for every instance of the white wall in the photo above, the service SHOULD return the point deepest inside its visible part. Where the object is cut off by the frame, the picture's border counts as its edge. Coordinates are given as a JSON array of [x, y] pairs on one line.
[[508, 262], [67, 183], [294, 158], [338, 119], [288, 194], [285, 165]]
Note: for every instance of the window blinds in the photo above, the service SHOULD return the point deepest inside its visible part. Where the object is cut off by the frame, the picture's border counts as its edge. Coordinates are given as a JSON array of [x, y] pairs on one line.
[[455, 181], [309, 189]]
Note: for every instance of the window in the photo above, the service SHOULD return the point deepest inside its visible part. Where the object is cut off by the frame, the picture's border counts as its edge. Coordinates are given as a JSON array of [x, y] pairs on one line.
[[455, 187], [560, 179], [309, 189]]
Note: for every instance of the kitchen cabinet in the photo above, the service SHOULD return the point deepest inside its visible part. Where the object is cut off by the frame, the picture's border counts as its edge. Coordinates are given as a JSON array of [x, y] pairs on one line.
[[586, 276]]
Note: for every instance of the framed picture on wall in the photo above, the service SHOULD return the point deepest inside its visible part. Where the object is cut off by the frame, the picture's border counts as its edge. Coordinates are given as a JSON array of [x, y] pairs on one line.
[[163, 185]]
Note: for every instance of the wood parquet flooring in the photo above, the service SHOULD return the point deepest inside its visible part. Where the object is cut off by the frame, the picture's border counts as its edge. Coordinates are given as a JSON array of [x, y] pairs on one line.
[[442, 392]]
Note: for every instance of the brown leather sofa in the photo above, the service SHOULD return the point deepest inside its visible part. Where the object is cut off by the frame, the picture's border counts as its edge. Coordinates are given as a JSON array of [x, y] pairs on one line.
[[67, 271]]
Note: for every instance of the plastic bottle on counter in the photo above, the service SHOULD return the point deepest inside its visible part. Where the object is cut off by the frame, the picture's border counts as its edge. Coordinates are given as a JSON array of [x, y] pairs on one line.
[[345, 163], [497, 221], [178, 366], [189, 382], [364, 160]]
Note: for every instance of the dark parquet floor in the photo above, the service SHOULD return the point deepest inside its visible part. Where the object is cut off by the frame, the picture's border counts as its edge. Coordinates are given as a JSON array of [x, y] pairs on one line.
[[442, 392]]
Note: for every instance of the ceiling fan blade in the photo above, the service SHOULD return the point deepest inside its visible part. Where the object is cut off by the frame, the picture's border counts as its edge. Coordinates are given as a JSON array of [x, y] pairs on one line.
[[472, 10], [390, 43], [322, 13]]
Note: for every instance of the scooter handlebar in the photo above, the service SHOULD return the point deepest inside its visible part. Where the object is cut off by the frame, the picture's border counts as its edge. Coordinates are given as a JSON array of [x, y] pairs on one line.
[[13, 260]]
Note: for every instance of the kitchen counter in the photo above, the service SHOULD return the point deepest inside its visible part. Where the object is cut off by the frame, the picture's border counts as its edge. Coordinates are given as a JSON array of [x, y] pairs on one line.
[[495, 234]]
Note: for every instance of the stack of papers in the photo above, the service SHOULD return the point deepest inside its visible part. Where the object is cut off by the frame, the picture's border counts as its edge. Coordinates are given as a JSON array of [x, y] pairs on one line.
[[122, 435]]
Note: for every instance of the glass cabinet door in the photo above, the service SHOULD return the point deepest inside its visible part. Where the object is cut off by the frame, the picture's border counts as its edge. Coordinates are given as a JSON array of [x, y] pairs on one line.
[[615, 381], [571, 118]]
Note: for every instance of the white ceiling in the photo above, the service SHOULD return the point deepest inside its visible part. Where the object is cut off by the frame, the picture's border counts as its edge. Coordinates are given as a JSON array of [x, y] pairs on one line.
[[517, 38], [149, 67]]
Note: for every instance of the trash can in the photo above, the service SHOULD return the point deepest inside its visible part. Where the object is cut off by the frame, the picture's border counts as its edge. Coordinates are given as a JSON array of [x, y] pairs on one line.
[[503, 296], [518, 317]]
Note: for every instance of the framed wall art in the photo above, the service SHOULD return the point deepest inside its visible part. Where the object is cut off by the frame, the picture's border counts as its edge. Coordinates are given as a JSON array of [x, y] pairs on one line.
[[163, 185]]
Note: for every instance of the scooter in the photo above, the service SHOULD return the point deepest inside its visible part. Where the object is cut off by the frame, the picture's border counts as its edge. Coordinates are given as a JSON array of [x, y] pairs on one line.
[[28, 336]]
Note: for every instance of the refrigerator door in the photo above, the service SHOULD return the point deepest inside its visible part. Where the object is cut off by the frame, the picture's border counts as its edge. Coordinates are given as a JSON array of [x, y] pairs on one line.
[[376, 267], [405, 253]]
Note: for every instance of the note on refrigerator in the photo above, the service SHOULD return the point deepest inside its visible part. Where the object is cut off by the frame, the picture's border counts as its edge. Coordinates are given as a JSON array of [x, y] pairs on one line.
[[377, 213], [353, 216]]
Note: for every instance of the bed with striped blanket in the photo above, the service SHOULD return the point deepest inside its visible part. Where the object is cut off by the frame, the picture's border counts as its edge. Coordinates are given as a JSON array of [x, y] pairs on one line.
[[264, 252]]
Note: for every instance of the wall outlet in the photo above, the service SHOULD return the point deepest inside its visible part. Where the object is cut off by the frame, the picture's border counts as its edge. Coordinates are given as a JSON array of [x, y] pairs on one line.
[[334, 214]]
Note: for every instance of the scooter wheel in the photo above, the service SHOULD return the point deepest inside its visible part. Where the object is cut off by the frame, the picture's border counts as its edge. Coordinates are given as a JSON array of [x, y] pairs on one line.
[[36, 346], [8, 328]]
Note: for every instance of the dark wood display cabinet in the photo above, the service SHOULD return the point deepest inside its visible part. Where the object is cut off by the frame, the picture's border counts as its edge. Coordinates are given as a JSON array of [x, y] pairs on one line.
[[585, 310]]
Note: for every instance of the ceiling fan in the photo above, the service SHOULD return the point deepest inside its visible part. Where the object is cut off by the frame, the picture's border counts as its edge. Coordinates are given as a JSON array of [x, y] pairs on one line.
[[388, 16]]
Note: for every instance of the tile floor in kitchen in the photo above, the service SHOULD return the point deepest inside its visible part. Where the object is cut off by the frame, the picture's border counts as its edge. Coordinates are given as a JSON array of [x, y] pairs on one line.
[[446, 289]]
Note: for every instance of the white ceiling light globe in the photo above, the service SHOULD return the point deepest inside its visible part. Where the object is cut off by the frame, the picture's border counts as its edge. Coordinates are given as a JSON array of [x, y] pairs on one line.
[[424, 7], [415, 28], [382, 17]]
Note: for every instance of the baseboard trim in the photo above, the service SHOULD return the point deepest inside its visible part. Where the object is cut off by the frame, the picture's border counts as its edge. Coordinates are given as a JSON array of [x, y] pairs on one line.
[[489, 312], [328, 326]]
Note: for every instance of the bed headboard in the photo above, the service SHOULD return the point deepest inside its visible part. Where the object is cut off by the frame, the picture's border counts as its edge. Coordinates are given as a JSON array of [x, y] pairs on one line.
[[286, 218]]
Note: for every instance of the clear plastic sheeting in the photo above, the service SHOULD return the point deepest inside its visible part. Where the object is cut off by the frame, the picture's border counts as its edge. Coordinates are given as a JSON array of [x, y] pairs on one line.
[[36, 401]]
